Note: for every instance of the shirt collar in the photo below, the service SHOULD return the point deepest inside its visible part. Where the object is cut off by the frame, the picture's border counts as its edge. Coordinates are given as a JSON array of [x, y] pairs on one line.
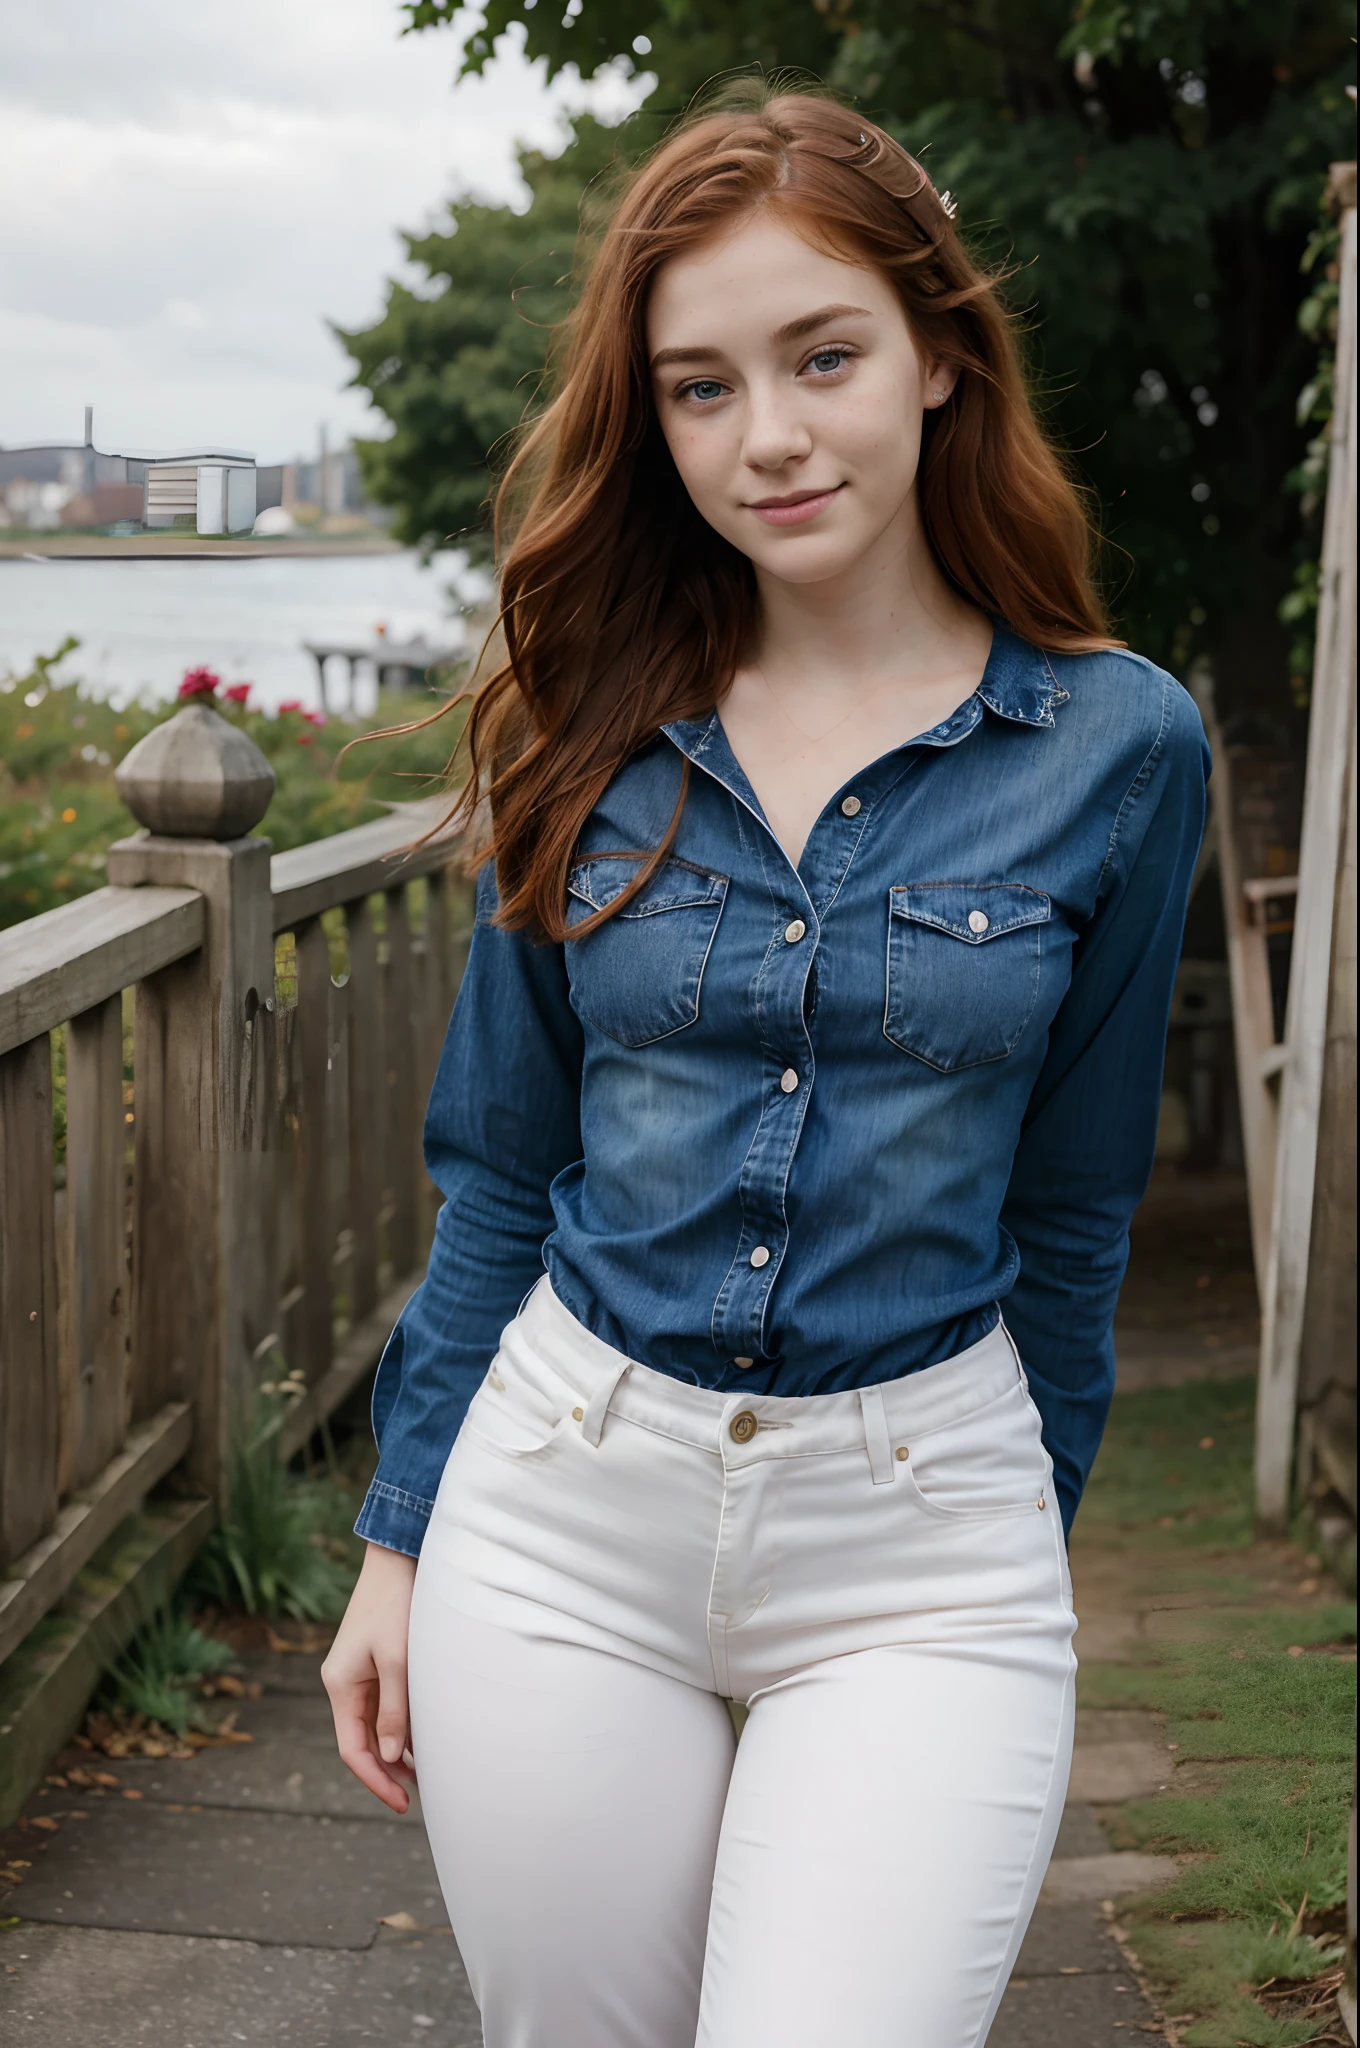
[[1018, 684]]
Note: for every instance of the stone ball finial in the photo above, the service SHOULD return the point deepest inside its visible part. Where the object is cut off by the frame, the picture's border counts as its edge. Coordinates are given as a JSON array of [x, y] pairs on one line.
[[196, 777]]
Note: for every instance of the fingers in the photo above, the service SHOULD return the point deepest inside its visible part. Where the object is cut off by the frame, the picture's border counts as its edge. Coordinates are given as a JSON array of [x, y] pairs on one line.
[[358, 1751], [371, 1742], [393, 1722]]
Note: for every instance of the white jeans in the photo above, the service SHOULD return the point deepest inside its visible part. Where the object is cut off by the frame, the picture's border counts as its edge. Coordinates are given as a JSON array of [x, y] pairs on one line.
[[880, 1576]]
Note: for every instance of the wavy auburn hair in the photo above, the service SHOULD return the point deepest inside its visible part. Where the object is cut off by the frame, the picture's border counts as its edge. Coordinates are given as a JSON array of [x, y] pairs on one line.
[[621, 607]]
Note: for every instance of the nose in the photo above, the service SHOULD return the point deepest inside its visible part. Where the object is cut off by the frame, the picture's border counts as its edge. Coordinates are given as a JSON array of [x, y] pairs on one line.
[[774, 434]]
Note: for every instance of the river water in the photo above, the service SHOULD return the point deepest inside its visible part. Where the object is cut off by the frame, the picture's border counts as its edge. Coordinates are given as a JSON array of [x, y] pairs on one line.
[[142, 624]]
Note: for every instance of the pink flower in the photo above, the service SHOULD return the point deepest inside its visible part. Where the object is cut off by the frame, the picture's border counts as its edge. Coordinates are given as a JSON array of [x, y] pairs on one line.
[[290, 704], [304, 739], [315, 717], [199, 682], [238, 692]]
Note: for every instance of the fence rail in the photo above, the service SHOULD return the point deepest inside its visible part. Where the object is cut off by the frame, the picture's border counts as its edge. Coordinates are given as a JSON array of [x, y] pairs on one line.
[[212, 1079]]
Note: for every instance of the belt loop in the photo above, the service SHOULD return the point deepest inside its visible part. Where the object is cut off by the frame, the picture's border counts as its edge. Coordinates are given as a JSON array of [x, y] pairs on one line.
[[597, 1407], [876, 1439]]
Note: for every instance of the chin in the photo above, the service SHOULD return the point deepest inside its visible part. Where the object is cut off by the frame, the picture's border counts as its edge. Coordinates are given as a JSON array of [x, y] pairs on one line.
[[811, 559]]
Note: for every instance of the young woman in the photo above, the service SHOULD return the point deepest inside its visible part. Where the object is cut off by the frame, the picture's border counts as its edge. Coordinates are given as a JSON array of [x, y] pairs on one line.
[[813, 1023]]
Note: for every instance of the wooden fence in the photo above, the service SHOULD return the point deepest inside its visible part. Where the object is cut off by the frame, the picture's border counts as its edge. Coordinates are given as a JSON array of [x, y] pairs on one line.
[[212, 1080]]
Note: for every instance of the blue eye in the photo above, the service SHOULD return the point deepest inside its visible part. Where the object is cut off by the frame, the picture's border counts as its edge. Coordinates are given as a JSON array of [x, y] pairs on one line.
[[705, 389], [826, 360]]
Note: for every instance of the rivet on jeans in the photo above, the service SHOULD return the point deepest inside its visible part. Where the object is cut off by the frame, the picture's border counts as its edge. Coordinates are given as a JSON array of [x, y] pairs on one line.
[[578, 1414], [903, 1452]]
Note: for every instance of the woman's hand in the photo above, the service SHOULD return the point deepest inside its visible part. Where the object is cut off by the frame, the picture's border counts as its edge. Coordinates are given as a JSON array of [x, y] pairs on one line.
[[365, 1676]]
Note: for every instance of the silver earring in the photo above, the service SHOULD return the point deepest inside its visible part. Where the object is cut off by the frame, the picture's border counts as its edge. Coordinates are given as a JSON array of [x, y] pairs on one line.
[[939, 396]]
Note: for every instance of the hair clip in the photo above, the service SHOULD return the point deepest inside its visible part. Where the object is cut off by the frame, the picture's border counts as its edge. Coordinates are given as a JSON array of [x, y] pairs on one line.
[[949, 204]]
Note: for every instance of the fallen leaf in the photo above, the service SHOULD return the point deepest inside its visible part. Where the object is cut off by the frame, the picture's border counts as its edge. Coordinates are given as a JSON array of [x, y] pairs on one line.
[[1206, 1443], [1069, 1970], [1294, 1650], [128, 1793], [309, 1642], [43, 1820], [234, 1688], [406, 1923], [53, 1779]]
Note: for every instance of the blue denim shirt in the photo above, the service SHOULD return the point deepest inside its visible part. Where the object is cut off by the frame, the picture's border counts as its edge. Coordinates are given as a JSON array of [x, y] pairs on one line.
[[803, 1129]]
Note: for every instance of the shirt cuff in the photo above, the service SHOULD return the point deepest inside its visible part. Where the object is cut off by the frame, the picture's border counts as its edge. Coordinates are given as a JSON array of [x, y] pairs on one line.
[[393, 1518]]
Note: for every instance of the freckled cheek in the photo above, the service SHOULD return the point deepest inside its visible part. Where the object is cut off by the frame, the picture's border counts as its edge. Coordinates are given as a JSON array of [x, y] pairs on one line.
[[703, 467]]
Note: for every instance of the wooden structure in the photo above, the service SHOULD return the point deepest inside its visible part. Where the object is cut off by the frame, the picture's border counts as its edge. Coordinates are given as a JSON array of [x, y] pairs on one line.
[[1258, 909], [1306, 1397], [238, 1050], [400, 664]]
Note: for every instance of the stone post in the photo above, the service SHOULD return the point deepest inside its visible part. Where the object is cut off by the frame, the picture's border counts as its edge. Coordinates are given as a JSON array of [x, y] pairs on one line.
[[204, 1069]]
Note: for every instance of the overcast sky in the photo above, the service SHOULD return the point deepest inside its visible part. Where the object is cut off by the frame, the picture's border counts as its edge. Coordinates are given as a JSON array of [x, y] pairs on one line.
[[191, 189]]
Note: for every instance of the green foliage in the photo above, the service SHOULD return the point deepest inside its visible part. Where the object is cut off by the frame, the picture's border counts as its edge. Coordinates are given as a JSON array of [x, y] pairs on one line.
[[1259, 1707], [1157, 1474], [1151, 168], [1212, 1965], [455, 369], [158, 1674], [1245, 1696], [59, 746], [1317, 320], [279, 1548]]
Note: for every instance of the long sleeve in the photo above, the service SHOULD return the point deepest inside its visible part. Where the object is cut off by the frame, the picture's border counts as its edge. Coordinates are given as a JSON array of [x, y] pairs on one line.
[[1086, 1149], [503, 1121]]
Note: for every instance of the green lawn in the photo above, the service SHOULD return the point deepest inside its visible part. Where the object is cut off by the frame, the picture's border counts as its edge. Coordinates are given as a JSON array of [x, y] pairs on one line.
[[1259, 1699]]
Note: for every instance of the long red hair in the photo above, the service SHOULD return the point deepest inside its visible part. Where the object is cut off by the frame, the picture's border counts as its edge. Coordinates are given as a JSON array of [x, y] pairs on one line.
[[622, 609]]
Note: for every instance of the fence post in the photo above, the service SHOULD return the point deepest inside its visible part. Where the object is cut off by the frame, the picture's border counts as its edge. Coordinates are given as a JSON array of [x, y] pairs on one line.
[[204, 1087]]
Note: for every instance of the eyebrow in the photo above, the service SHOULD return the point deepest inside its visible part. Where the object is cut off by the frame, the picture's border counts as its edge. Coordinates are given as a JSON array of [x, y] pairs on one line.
[[793, 330]]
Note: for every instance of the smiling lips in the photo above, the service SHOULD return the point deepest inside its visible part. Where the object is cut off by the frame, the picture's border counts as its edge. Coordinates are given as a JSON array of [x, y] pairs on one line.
[[794, 509]]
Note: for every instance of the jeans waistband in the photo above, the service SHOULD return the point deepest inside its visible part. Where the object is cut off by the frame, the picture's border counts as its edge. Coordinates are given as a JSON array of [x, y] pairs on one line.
[[800, 1426]]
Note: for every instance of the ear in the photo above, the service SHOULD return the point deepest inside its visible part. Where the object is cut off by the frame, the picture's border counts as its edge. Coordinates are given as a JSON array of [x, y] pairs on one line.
[[940, 380]]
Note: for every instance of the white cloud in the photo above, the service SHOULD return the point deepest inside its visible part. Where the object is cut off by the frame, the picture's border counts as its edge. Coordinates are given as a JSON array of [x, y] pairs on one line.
[[192, 192]]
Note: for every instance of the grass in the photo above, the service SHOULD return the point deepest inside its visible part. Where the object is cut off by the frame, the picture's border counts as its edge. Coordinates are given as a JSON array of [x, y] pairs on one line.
[[1176, 1470], [285, 1545], [1259, 1703], [160, 1672]]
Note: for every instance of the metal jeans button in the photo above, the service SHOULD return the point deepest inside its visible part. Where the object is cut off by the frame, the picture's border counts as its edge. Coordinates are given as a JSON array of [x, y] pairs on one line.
[[742, 1427]]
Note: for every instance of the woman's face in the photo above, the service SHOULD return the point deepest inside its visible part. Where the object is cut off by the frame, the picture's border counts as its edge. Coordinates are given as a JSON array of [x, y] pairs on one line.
[[791, 395]]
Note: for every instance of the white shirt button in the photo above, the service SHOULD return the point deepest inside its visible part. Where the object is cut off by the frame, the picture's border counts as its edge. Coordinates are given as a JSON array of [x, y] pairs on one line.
[[795, 931], [851, 806], [760, 1256], [743, 1364], [788, 1080], [978, 921]]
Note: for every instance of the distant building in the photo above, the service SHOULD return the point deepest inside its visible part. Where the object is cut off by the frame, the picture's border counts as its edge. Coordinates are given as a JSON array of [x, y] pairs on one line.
[[67, 483]]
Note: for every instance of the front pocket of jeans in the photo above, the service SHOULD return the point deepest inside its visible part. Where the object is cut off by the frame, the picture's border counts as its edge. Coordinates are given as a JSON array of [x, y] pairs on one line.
[[512, 1414], [637, 976], [988, 1463], [963, 969]]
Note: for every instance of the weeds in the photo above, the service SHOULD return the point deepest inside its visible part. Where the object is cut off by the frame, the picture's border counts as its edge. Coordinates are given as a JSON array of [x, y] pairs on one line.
[[160, 1673], [284, 1545]]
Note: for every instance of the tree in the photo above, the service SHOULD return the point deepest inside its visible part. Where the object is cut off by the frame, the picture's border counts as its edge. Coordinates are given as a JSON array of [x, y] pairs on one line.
[[1149, 170]]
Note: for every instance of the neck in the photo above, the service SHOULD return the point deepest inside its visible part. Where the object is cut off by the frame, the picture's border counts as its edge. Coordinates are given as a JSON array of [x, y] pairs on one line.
[[891, 614]]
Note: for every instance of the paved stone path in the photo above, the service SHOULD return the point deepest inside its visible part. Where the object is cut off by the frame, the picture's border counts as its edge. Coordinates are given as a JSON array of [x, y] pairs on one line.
[[250, 1894]]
